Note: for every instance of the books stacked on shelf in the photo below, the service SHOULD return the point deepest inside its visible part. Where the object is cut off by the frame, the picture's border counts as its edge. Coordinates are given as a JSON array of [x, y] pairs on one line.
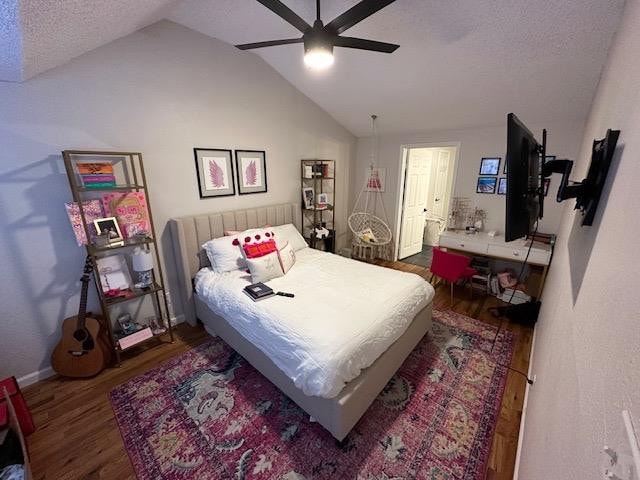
[[96, 174], [258, 291]]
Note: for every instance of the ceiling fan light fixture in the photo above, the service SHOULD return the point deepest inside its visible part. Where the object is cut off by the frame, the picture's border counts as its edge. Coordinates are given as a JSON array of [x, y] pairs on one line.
[[318, 57]]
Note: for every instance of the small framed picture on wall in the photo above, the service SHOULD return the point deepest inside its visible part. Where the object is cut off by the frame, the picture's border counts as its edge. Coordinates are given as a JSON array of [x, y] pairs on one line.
[[486, 185], [547, 182], [490, 165], [215, 172], [502, 186], [251, 168]]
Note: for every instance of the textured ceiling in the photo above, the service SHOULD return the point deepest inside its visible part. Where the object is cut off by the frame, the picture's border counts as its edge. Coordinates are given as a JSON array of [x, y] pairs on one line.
[[461, 63]]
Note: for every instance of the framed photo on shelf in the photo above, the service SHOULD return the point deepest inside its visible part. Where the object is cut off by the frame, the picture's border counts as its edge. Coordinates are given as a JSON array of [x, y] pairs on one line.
[[502, 186], [251, 168], [108, 226], [490, 165], [214, 169], [322, 198], [114, 273], [486, 185], [308, 195]]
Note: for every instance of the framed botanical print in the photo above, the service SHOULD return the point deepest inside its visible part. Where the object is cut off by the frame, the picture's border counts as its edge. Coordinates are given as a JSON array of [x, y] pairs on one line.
[[215, 172], [251, 168]]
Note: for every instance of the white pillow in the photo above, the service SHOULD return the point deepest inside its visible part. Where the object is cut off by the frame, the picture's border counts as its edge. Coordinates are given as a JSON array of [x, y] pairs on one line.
[[287, 257], [265, 268], [225, 254], [289, 233]]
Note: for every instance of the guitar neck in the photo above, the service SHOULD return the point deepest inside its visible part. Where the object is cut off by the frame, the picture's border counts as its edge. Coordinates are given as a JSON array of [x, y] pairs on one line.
[[82, 309]]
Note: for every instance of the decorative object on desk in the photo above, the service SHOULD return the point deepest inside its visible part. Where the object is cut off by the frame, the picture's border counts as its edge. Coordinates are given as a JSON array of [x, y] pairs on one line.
[[502, 186], [547, 182], [81, 351], [130, 209], [322, 199], [376, 181], [92, 211], [142, 263], [476, 219], [486, 185], [307, 197], [214, 168], [490, 165], [114, 273], [458, 212], [321, 232], [110, 227], [251, 168]]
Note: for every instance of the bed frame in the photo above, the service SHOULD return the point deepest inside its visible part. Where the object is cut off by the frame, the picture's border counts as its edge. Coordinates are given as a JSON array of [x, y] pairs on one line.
[[338, 414]]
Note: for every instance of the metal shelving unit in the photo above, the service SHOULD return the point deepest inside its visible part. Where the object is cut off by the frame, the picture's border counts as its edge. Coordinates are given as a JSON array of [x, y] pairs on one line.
[[323, 181], [132, 173]]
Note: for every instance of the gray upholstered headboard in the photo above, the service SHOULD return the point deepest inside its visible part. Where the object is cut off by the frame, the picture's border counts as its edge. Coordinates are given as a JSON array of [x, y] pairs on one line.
[[190, 232]]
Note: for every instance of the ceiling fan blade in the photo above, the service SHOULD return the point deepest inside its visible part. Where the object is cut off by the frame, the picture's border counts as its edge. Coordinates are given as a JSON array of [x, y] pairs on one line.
[[271, 43], [356, 14], [284, 12], [362, 44]]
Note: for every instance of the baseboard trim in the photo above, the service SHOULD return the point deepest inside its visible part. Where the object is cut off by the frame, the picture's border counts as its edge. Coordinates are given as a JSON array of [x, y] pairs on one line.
[[35, 377], [516, 470]]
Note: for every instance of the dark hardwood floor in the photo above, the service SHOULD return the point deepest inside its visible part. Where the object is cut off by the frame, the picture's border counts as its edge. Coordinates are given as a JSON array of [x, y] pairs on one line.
[[77, 436]]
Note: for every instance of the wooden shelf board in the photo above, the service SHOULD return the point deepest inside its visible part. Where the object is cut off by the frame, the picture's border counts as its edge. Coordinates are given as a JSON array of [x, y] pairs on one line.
[[127, 243], [136, 294]]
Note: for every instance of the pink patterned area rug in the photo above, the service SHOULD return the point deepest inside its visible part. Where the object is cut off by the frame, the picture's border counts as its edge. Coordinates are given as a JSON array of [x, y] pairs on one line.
[[207, 414]]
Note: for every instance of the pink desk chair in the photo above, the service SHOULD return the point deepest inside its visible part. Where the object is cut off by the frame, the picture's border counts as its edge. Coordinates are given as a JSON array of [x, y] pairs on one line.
[[451, 267]]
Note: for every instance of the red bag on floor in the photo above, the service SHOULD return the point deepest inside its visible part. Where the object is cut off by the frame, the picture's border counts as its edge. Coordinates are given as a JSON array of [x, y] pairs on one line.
[[20, 406]]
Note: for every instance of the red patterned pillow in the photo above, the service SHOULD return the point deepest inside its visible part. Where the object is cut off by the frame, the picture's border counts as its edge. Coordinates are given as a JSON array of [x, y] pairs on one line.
[[255, 250]]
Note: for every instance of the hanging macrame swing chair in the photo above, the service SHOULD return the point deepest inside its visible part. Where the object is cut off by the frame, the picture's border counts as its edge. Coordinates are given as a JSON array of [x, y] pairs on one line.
[[372, 235]]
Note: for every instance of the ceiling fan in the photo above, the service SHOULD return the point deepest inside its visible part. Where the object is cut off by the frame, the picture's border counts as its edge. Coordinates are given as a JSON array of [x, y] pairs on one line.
[[320, 39]]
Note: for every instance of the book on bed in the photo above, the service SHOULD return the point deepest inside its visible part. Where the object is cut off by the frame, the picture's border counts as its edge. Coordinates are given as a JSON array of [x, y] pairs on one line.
[[258, 291]]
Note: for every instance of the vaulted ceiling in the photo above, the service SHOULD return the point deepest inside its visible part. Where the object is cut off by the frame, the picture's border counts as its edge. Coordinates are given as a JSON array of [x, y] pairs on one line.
[[461, 63]]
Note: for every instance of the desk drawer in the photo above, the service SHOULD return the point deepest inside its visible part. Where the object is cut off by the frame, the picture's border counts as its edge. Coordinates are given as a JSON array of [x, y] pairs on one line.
[[537, 255], [463, 245]]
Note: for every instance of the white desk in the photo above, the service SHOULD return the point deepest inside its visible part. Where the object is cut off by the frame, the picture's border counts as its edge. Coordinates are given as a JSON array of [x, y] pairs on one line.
[[496, 247]]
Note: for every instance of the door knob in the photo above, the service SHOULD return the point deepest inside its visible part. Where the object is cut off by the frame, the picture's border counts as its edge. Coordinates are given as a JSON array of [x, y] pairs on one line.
[[424, 210], [437, 199]]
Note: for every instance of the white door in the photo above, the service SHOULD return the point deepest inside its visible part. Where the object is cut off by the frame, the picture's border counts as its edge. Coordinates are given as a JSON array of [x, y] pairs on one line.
[[442, 169], [414, 207]]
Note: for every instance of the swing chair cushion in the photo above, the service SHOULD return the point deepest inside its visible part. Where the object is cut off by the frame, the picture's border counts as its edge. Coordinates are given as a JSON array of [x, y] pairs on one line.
[[369, 229]]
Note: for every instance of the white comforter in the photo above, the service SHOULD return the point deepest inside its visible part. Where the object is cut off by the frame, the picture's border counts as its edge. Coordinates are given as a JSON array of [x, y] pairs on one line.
[[345, 314]]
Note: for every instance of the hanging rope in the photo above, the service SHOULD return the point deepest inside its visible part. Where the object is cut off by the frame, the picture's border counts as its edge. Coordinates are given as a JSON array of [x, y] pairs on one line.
[[365, 225]]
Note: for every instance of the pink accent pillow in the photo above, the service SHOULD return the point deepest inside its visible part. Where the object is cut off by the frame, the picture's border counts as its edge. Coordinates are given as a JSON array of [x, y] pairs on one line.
[[255, 250]]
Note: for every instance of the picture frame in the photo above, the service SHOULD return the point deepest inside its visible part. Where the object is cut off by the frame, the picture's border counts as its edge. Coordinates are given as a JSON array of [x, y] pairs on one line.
[[547, 182], [251, 171], [110, 227], [214, 169], [486, 185], [502, 186], [490, 165], [377, 179], [114, 273], [308, 197], [504, 169], [322, 199]]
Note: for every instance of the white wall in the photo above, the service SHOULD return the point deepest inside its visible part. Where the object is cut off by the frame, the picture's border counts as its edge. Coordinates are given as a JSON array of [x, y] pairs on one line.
[[162, 91], [588, 335], [563, 141]]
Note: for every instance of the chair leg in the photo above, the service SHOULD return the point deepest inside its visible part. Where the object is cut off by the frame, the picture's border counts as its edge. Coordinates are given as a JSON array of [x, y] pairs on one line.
[[451, 283]]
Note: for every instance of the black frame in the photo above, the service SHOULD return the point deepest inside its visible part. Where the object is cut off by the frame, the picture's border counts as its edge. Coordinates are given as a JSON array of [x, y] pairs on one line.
[[232, 178], [500, 180], [264, 170], [495, 183], [490, 158], [545, 184]]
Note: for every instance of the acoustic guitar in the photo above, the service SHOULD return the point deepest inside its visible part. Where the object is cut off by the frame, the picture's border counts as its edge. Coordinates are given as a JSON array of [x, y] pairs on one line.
[[83, 351]]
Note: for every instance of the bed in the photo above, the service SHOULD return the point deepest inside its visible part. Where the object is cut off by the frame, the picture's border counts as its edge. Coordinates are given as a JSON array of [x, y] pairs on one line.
[[332, 363]]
